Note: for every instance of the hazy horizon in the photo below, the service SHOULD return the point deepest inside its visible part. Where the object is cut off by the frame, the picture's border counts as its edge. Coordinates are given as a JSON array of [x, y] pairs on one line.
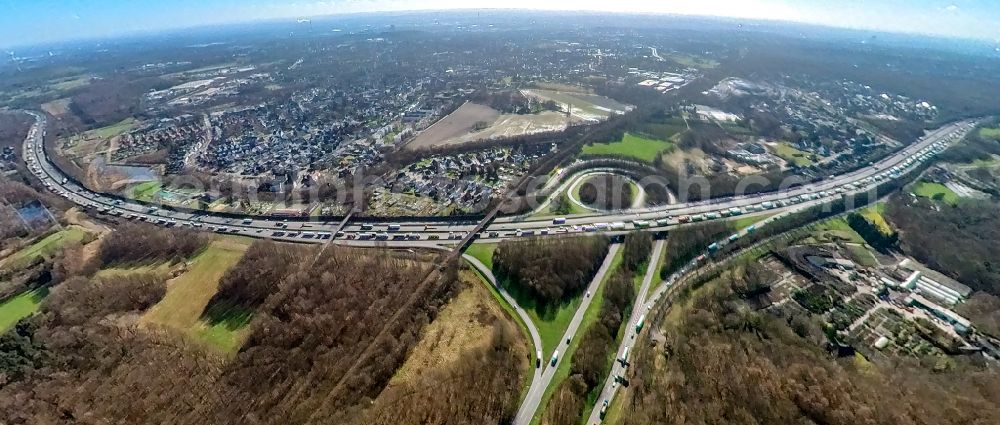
[[46, 22]]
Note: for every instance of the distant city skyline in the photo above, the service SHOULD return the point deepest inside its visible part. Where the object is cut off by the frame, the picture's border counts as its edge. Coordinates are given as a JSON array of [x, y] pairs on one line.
[[44, 21]]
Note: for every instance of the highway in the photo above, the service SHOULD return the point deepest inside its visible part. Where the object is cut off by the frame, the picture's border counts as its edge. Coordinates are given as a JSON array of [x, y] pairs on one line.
[[427, 233], [531, 401], [419, 233], [638, 310]]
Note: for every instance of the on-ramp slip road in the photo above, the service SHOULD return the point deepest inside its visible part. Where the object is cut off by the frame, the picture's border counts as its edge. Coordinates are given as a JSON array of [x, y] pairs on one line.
[[531, 401], [639, 309], [536, 340]]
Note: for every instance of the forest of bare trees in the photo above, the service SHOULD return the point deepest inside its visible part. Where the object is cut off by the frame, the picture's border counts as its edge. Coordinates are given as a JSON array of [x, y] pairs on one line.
[[482, 387], [256, 276], [969, 230], [607, 192], [133, 243], [325, 339], [723, 363], [550, 269], [686, 243]]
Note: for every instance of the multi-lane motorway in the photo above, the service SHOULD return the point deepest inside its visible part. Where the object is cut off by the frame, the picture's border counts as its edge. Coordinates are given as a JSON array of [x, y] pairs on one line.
[[423, 233], [438, 234]]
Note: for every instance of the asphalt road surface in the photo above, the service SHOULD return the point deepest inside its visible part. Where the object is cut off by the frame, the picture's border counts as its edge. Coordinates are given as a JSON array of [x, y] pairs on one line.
[[426, 233], [534, 397]]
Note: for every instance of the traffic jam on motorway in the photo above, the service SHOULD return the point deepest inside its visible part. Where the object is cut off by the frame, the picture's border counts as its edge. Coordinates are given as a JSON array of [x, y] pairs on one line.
[[54, 181]]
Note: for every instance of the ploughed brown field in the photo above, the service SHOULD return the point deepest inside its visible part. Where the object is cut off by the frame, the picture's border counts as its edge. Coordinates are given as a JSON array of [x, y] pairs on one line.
[[456, 124]]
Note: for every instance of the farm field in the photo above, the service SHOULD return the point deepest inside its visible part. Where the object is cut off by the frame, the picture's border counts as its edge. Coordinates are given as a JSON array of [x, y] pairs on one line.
[[632, 146], [20, 306], [511, 125], [456, 124], [934, 191]]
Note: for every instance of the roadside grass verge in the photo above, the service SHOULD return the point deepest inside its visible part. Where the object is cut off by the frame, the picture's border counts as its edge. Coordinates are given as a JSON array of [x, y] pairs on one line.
[[483, 252], [551, 320], [19, 306], [631, 145], [745, 221]]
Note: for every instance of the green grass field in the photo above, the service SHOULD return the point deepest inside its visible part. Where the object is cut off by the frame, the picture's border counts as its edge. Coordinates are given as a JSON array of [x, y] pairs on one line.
[[630, 145], [188, 295], [145, 191], [19, 306], [835, 228], [691, 60], [113, 130], [934, 191], [70, 83], [483, 252], [224, 329], [552, 321], [990, 133], [874, 215], [566, 353], [45, 247], [792, 155], [861, 255], [112, 272]]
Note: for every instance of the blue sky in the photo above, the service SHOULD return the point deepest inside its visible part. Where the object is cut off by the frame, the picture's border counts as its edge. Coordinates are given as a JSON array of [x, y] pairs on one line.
[[39, 21]]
